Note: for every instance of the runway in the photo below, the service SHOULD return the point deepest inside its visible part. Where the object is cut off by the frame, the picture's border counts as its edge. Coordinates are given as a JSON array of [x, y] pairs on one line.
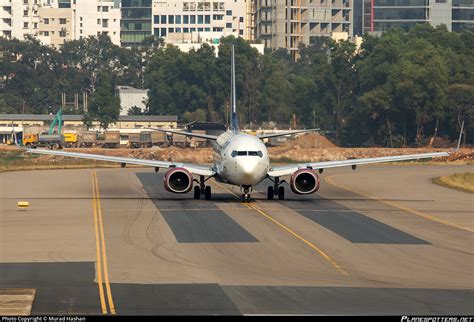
[[379, 240]]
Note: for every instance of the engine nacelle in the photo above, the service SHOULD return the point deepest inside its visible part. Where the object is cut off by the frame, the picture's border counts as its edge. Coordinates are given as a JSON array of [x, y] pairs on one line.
[[304, 181], [178, 180]]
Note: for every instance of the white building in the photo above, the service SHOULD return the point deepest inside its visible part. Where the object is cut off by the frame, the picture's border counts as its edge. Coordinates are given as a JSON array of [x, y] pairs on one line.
[[131, 97], [189, 41], [95, 17], [173, 18], [55, 21], [18, 18], [55, 26]]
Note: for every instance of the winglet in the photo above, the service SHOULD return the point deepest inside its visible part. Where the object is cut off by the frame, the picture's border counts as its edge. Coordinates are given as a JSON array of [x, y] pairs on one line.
[[460, 137]]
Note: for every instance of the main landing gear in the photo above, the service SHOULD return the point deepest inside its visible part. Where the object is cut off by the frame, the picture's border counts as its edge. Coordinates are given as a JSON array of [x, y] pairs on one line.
[[202, 189], [276, 190]]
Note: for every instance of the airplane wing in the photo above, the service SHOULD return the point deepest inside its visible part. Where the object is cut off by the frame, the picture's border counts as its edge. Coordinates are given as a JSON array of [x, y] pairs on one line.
[[283, 170], [197, 135], [273, 135], [201, 170]]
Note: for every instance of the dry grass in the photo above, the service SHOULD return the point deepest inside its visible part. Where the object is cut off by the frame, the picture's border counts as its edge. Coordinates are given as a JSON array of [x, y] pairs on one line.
[[15, 160], [458, 181]]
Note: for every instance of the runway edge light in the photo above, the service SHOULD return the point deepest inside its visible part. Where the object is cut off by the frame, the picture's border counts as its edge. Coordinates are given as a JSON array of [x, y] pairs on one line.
[[23, 205]]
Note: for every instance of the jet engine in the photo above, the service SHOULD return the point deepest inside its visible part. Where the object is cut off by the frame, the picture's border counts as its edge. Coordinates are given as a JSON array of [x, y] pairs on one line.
[[178, 180], [304, 181]]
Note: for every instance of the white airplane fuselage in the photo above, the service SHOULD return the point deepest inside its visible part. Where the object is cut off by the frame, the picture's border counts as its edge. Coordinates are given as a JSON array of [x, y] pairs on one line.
[[240, 159]]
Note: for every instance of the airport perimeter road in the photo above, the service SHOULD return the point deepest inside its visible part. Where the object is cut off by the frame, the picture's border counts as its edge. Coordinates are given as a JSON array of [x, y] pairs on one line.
[[379, 240]]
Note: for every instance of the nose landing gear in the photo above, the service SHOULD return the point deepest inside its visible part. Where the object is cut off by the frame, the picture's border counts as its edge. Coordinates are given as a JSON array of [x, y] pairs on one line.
[[276, 190], [246, 190]]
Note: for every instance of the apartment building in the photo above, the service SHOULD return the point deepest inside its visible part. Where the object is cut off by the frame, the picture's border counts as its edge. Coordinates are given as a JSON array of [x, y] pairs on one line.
[[55, 21], [212, 20], [96, 17], [136, 21], [55, 26], [18, 18], [382, 15], [287, 23]]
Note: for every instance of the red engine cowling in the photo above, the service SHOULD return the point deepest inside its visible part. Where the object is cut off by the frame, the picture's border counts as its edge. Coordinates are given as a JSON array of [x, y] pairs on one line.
[[304, 181], [178, 180]]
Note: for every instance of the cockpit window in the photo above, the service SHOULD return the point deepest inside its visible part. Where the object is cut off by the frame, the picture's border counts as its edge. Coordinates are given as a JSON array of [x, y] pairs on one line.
[[245, 153]]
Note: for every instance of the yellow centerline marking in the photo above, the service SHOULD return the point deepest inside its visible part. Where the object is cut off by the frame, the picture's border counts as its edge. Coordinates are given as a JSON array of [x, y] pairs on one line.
[[97, 246], [253, 206], [101, 250], [396, 205]]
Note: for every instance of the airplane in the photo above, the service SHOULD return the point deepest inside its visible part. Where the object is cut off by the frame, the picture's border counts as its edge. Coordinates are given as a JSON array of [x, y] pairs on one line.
[[241, 160]]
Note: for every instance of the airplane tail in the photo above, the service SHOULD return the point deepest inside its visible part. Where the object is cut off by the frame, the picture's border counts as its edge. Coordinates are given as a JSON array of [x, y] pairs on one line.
[[234, 124]]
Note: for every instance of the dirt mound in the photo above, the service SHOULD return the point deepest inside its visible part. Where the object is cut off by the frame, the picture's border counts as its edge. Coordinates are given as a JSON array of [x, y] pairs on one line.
[[310, 141]]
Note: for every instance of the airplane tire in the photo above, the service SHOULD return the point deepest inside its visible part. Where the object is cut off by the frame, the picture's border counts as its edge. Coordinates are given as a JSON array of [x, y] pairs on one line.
[[281, 193], [197, 192], [207, 192], [270, 193]]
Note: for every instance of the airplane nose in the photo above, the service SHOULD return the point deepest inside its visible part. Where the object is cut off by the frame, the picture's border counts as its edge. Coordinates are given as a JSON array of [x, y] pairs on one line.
[[248, 171], [248, 167]]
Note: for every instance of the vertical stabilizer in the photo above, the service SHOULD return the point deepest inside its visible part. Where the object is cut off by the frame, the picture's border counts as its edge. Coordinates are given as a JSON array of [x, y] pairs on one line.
[[234, 125]]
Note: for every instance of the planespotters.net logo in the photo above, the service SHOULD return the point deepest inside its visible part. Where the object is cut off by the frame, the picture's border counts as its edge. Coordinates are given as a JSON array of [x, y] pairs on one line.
[[436, 319]]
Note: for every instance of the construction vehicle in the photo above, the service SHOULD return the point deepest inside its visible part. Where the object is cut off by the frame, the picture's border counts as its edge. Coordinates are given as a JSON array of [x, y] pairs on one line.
[[159, 139], [30, 140], [51, 140], [88, 139], [71, 140], [179, 140], [139, 140], [109, 139]]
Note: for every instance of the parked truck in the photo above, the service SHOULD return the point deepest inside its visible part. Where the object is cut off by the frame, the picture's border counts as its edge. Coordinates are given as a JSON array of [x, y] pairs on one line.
[[159, 139], [88, 139], [51, 141], [179, 140], [71, 140], [139, 140], [30, 140], [109, 139]]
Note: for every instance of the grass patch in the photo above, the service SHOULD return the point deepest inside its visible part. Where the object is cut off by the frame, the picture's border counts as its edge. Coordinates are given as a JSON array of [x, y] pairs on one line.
[[459, 181]]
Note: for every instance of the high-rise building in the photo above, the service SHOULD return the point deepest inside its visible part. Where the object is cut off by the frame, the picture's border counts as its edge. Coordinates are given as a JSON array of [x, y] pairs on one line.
[[463, 15], [55, 26], [382, 15], [96, 17], [287, 23], [6, 16], [19, 17], [178, 19], [55, 21], [136, 21]]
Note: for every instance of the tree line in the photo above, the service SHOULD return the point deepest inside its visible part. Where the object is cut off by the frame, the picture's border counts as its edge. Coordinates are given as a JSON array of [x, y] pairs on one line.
[[397, 89]]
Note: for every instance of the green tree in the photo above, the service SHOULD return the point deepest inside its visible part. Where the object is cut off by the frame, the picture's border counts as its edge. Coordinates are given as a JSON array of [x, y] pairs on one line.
[[104, 106]]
